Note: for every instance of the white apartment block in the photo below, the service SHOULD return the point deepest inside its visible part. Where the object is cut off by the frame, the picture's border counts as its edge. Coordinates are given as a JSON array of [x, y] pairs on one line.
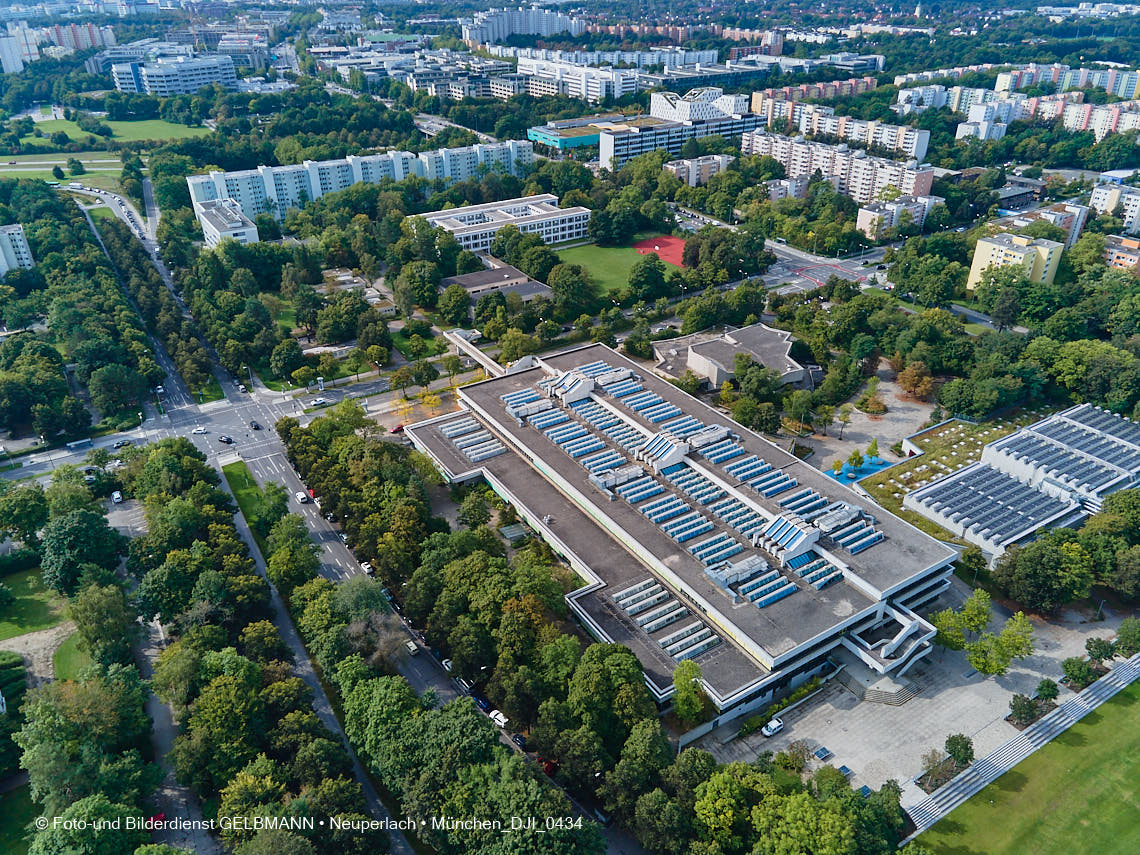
[[578, 81], [222, 219], [862, 177], [495, 25], [275, 189], [707, 103], [877, 218], [696, 171], [787, 188], [175, 76], [1102, 120], [1106, 198], [919, 98], [669, 57], [984, 130], [11, 55], [942, 73], [814, 120], [14, 250], [475, 226]]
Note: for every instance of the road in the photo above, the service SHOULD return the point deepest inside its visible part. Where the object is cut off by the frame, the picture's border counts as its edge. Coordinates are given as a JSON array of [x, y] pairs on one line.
[[152, 212]]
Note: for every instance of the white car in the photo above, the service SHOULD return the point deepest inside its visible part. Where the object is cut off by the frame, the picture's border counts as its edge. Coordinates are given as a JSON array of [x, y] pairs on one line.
[[411, 647], [301, 497], [198, 431], [318, 402], [117, 497], [366, 567], [772, 728], [446, 665], [498, 718]]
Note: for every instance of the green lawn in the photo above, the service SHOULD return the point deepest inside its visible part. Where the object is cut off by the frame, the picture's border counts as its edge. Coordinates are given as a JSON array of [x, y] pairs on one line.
[[1077, 794], [609, 265], [246, 491], [436, 346], [16, 810], [144, 129], [35, 607], [102, 212], [212, 391], [69, 659]]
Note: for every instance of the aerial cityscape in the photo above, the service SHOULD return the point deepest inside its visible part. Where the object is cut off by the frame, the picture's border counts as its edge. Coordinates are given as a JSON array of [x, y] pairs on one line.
[[625, 428]]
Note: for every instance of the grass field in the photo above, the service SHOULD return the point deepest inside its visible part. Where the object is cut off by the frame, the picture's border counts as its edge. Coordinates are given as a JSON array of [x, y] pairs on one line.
[[144, 129], [608, 265], [69, 659], [35, 607], [16, 810], [1077, 794], [436, 346], [101, 213], [247, 493]]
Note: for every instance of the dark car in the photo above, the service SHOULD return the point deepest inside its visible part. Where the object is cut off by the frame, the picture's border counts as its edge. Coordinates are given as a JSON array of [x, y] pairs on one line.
[[122, 443], [880, 267], [483, 703], [227, 440], [519, 740], [255, 426]]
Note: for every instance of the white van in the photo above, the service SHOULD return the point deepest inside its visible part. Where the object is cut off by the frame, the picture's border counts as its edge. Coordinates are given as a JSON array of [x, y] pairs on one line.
[[301, 497]]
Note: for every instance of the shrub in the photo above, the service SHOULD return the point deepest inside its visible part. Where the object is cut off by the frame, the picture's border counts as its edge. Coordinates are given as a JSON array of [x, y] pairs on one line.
[[1128, 637], [18, 560], [960, 748], [1047, 690], [754, 723], [1078, 672], [1022, 709]]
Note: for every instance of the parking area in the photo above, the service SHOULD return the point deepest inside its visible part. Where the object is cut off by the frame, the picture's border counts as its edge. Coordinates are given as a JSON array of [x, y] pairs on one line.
[[878, 742]]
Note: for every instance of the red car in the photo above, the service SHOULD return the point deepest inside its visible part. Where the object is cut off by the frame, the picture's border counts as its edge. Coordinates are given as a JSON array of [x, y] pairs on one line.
[[398, 429]]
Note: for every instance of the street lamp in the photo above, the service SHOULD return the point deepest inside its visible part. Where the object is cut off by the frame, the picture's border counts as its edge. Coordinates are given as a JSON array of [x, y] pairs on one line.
[[250, 370]]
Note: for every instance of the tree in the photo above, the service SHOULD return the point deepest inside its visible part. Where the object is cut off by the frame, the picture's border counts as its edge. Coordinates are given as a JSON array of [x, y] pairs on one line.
[[473, 511], [688, 700], [286, 358], [1047, 690], [1045, 573], [57, 173], [276, 841], [104, 622], [115, 388], [855, 459], [75, 166], [452, 365], [825, 416], [960, 748], [844, 418], [916, 380], [1128, 636], [515, 344], [92, 826], [647, 278], [23, 512], [401, 379], [1007, 308], [454, 305], [74, 539], [1099, 649], [1022, 709]]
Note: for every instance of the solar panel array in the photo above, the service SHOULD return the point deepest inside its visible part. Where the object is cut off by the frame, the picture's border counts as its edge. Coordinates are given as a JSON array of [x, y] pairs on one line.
[[1055, 455], [990, 503], [816, 571], [654, 610], [1105, 422], [470, 437]]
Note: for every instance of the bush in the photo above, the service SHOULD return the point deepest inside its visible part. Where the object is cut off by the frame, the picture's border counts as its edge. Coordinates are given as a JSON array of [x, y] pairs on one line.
[[6, 596], [1047, 690], [418, 327], [1128, 637], [960, 748], [754, 723], [18, 560], [1022, 709], [1078, 673]]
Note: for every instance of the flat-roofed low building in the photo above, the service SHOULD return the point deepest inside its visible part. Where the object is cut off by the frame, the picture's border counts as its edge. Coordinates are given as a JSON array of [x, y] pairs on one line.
[[1122, 253], [694, 537], [1068, 218], [222, 219], [475, 226], [498, 278], [712, 356]]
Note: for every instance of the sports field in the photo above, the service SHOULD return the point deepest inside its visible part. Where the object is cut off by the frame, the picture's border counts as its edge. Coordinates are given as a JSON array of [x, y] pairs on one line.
[[668, 248], [610, 265], [143, 129], [1077, 794]]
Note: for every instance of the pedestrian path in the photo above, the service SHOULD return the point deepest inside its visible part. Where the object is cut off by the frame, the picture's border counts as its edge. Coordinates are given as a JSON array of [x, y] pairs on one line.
[[987, 770]]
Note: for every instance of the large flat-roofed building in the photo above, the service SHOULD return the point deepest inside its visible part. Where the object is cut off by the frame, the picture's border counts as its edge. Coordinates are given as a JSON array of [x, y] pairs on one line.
[[578, 81], [563, 134], [1053, 473], [276, 189], [623, 142], [697, 105], [222, 219], [14, 249], [695, 538], [475, 226], [877, 218], [175, 76], [1038, 257], [857, 174], [498, 278]]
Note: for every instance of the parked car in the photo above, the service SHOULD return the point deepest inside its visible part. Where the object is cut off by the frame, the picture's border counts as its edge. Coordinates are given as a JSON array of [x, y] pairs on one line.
[[122, 443], [398, 429], [343, 537], [773, 727], [117, 497], [367, 568], [227, 440], [411, 647], [519, 740], [446, 663], [481, 702], [160, 390], [498, 718], [302, 497]]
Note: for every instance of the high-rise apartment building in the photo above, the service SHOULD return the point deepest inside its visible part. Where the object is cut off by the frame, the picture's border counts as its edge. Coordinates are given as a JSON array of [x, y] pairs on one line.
[[14, 250], [495, 25], [1109, 198], [1038, 257]]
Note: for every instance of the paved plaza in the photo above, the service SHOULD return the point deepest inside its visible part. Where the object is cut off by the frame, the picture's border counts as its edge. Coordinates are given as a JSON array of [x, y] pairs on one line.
[[878, 741]]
